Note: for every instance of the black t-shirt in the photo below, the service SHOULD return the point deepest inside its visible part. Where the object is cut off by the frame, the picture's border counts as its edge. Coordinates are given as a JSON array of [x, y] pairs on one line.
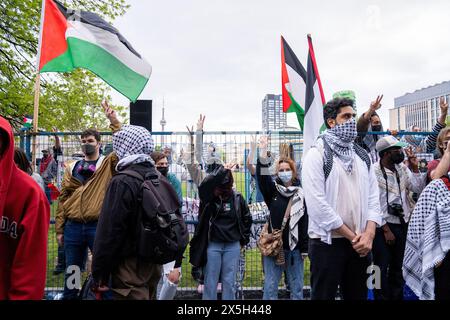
[[84, 170], [224, 226]]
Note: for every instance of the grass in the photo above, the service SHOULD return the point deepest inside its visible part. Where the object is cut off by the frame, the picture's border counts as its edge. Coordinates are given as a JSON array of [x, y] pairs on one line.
[[253, 264], [253, 278]]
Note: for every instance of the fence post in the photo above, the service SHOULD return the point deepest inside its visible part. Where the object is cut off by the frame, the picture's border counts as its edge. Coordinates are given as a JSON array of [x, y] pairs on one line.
[[21, 139], [246, 177], [27, 146]]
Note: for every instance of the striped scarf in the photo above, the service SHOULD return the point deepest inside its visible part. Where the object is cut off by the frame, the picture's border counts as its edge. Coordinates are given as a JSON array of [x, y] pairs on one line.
[[297, 210]]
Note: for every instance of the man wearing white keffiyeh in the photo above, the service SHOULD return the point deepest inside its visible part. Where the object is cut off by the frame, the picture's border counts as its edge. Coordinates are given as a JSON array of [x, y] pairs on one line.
[[284, 198], [341, 195], [426, 264]]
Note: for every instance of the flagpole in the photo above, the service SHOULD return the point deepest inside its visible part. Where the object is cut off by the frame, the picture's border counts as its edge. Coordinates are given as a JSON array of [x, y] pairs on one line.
[[37, 89]]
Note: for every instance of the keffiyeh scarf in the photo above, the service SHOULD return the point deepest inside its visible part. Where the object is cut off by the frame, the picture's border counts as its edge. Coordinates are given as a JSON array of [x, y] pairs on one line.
[[132, 144], [297, 210], [428, 239], [340, 139]]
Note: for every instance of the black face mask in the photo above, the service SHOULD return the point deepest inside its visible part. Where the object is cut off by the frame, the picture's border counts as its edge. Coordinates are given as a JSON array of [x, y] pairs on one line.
[[376, 127], [210, 168], [88, 149], [224, 192], [163, 170], [397, 157]]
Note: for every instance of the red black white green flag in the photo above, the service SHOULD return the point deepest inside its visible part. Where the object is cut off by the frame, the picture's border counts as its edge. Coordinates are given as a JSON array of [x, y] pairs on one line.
[[72, 39], [293, 82], [314, 102]]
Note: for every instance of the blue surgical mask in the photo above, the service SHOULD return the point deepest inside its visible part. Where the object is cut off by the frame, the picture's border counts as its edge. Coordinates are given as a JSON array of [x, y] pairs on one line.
[[285, 176]]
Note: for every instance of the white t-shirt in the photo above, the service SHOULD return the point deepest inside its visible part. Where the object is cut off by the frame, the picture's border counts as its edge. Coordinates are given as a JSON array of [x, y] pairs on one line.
[[349, 203]]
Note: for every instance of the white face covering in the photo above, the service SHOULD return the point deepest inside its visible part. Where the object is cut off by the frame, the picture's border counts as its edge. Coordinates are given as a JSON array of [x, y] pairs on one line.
[[345, 131]]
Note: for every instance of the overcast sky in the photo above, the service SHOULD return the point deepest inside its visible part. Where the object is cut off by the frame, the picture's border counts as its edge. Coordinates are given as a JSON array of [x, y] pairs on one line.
[[220, 58]]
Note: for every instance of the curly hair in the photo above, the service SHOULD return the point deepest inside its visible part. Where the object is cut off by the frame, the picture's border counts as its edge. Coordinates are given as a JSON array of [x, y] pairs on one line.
[[333, 107], [91, 132]]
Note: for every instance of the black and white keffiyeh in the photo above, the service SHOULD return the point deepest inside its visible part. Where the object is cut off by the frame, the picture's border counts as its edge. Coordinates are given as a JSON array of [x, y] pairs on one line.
[[132, 144], [428, 239], [341, 141], [297, 210]]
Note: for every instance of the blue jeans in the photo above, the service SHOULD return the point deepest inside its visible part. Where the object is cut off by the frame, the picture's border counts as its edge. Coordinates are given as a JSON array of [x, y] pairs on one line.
[[223, 260], [48, 193], [77, 238], [294, 271]]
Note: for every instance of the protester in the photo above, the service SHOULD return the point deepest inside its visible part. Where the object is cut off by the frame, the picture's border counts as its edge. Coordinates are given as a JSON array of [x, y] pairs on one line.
[[224, 226], [82, 192], [342, 200], [439, 167], [48, 169], [426, 264], [395, 182], [427, 144], [24, 216], [251, 167], [285, 201], [162, 165], [22, 162], [167, 286], [370, 122], [198, 168], [115, 253]]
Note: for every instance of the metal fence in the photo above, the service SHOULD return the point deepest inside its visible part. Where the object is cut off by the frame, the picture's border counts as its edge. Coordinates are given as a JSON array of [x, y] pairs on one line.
[[232, 147]]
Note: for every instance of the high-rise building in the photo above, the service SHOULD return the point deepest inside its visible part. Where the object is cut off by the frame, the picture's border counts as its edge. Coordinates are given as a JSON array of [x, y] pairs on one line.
[[419, 108], [273, 116]]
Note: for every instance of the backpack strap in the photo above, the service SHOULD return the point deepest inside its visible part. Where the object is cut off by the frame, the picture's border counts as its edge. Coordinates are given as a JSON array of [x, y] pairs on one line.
[[131, 173], [153, 178]]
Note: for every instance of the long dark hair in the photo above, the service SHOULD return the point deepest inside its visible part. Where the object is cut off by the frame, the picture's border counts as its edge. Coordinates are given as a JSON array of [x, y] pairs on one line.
[[21, 160]]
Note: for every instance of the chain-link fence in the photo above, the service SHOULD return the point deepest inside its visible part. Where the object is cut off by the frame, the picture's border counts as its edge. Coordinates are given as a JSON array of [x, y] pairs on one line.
[[230, 146]]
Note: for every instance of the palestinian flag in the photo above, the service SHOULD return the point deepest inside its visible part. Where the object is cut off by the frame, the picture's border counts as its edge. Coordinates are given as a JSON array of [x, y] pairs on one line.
[[27, 122], [314, 102], [72, 39], [293, 82]]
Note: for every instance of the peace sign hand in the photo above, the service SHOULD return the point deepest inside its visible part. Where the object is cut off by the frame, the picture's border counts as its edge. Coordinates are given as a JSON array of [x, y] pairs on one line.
[[375, 105], [200, 123]]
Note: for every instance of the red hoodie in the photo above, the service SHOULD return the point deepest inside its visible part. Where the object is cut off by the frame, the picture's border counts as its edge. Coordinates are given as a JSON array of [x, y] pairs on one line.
[[24, 222]]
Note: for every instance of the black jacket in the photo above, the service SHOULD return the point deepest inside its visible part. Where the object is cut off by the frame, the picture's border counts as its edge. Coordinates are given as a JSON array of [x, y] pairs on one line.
[[207, 210], [277, 205], [116, 234]]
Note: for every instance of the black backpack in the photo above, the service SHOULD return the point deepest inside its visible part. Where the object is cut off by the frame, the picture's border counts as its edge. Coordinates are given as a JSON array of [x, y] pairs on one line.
[[161, 233]]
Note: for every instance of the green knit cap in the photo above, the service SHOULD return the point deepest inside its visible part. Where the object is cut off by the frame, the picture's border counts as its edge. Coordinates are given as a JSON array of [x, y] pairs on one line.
[[349, 94]]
